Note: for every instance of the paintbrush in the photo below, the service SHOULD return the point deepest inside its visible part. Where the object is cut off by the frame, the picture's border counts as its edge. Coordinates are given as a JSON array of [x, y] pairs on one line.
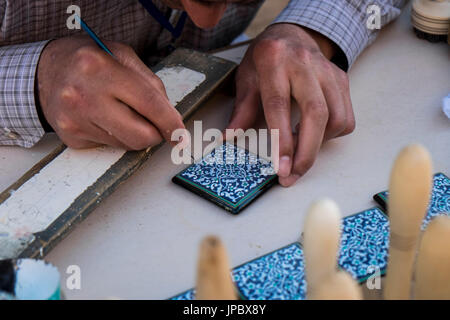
[[93, 36]]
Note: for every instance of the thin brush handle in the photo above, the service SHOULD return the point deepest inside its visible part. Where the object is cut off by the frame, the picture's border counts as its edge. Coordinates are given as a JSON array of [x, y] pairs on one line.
[[93, 36]]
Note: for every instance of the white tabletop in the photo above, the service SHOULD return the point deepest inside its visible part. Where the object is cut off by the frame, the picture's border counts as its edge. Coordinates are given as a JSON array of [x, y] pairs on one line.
[[142, 242]]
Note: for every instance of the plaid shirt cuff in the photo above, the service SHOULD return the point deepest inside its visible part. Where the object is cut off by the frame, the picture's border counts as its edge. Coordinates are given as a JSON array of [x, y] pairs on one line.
[[19, 120], [339, 21]]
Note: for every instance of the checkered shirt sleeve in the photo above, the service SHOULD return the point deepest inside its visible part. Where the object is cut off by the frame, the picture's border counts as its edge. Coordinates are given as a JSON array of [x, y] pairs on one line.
[[342, 21], [19, 121]]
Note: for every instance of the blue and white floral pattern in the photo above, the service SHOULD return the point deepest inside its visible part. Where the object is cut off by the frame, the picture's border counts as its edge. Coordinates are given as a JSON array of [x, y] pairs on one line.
[[440, 198], [364, 243], [280, 274], [232, 175], [187, 295], [276, 276]]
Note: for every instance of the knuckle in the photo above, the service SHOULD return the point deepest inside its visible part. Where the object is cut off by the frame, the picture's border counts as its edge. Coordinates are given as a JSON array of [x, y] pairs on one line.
[[89, 60], [304, 55], [70, 95], [269, 49], [277, 103], [327, 66], [317, 110], [68, 126], [152, 100], [337, 124]]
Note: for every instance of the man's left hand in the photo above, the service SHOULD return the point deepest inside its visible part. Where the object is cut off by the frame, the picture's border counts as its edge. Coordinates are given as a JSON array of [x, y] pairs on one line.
[[287, 61]]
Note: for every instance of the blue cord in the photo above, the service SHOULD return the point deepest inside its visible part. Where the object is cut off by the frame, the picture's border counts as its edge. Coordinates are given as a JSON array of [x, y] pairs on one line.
[[162, 20]]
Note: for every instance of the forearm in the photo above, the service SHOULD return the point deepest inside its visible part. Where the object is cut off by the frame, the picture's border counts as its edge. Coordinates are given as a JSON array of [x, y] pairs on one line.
[[343, 22], [19, 119]]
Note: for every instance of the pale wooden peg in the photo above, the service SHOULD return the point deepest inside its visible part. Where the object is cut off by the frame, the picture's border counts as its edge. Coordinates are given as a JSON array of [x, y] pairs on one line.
[[409, 194], [338, 286], [213, 272], [433, 261], [321, 237]]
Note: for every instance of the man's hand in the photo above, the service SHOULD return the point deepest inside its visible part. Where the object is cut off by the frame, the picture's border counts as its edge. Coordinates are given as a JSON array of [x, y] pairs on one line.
[[287, 61], [90, 98]]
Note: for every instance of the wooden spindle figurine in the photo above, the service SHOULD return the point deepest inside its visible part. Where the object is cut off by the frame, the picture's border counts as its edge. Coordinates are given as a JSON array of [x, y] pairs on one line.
[[321, 237], [213, 272], [432, 276], [339, 286], [409, 194]]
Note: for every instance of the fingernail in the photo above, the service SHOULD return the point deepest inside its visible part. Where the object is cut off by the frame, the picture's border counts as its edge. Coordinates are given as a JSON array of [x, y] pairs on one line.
[[284, 166]]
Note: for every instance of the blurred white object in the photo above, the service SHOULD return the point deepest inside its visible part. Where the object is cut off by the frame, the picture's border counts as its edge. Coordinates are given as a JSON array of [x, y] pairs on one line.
[[37, 280], [446, 105]]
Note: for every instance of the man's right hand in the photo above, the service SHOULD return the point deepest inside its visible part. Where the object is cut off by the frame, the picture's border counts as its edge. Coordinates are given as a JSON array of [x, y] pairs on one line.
[[91, 99]]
